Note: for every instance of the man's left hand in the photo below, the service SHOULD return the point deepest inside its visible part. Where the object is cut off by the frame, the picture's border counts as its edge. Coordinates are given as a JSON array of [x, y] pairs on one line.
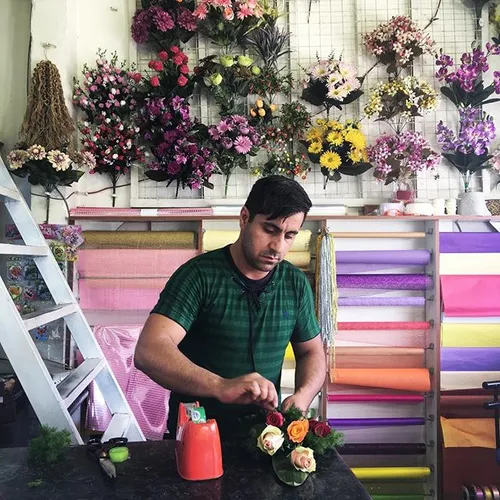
[[297, 399]]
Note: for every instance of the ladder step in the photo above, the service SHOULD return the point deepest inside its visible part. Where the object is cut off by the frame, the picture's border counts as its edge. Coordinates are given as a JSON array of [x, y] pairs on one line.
[[118, 426], [79, 379], [47, 315], [31, 251], [9, 194]]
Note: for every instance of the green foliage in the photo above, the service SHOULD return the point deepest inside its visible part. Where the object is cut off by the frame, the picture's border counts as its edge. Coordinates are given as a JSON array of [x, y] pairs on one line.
[[320, 445], [49, 446]]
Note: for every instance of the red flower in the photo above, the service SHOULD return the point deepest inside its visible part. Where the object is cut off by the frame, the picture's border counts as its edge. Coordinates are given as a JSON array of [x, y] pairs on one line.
[[182, 80], [137, 77], [312, 424], [155, 81], [157, 66], [322, 430], [163, 55], [178, 59], [275, 418], [151, 64], [184, 69], [174, 49]]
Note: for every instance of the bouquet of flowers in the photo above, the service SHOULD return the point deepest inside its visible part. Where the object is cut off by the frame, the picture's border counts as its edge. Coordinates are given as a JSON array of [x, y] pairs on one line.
[[402, 156], [465, 85], [177, 144], [468, 151], [398, 100], [284, 163], [338, 148], [262, 112], [331, 82], [398, 42], [292, 441], [494, 17], [227, 79], [228, 22], [162, 23], [233, 138]]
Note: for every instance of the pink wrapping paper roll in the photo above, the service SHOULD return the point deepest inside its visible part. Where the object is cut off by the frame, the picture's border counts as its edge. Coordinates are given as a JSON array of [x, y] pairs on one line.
[[396, 338], [383, 325]]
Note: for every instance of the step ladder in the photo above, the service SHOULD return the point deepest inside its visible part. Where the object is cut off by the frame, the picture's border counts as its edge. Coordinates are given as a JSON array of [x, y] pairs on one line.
[[50, 399]]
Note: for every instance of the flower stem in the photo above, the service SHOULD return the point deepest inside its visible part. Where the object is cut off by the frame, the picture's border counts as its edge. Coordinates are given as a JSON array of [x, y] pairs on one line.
[[63, 199], [47, 206]]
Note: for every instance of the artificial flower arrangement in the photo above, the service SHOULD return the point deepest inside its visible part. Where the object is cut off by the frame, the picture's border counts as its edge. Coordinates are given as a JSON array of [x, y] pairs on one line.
[[293, 442], [233, 138], [281, 162], [397, 43], [468, 150], [398, 100], [177, 143], [228, 22], [261, 112], [338, 148], [494, 18], [162, 23], [108, 98], [227, 79], [331, 82]]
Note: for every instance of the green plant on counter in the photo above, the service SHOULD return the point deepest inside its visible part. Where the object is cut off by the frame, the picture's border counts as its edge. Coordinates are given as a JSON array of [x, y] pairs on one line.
[[49, 446]]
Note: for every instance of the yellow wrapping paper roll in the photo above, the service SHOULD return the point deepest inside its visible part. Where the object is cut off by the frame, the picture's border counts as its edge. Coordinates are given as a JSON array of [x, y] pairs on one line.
[[364, 473], [213, 240], [477, 264], [302, 260], [470, 335], [139, 239], [458, 381], [468, 432]]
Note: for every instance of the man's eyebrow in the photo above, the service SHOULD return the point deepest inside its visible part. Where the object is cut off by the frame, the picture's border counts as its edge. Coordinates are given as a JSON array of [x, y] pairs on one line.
[[277, 228]]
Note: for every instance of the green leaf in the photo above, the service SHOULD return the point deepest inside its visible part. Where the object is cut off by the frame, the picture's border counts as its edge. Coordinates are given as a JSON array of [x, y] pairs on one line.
[[286, 472], [357, 169], [157, 175], [447, 92]]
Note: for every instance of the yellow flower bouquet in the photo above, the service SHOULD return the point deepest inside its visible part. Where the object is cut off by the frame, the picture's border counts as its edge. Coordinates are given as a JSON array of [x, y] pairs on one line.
[[339, 148]]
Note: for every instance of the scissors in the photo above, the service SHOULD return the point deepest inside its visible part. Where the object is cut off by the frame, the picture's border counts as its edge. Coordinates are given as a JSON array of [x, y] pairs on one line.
[[101, 451]]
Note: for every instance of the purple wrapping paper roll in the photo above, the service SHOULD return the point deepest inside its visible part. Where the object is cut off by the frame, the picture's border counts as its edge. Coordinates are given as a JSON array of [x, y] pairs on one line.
[[395, 257], [385, 281], [381, 301], [383, 449], [374, 422], [470, 359], [469, 242]]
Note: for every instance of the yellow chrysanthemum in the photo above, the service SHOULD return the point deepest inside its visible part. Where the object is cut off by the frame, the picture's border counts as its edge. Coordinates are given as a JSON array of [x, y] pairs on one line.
[[330, 160], [314, 134], [335, 138], [334, 125], [356, 138], [356, 155], [321, 122], [315, 147]]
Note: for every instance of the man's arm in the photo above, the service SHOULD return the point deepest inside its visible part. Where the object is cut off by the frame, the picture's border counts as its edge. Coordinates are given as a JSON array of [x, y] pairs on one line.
[[158, 356], [310, 373]]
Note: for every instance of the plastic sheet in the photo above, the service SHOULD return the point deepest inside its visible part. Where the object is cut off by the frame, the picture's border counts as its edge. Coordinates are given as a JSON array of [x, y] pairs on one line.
[[374, 422], [383, 449], [470, 359], [379, 473], [381, 301], [376, 398], [468, 432], [384, 281], [480, 242], [140, 239], [469, 335], [477, 264]]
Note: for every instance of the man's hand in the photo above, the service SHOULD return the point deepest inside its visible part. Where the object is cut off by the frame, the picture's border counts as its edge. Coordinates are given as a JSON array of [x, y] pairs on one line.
[[249, 389], [297, 399]]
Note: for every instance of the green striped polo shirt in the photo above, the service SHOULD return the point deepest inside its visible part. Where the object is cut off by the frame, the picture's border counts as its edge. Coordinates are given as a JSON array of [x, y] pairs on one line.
[[231, 333]]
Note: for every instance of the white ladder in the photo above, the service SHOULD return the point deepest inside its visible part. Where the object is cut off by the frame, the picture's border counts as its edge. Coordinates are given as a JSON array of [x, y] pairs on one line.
[[49, 400]]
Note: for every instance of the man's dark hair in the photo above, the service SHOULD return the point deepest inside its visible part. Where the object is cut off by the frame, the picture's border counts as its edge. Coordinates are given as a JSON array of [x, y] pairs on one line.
[[278, 197]]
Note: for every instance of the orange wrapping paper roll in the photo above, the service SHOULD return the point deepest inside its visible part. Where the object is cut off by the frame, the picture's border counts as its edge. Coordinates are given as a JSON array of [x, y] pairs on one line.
[[404, 379]]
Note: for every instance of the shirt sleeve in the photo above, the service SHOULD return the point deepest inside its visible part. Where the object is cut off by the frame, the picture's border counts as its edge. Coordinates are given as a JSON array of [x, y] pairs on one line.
[[182, 297], [307, 326]]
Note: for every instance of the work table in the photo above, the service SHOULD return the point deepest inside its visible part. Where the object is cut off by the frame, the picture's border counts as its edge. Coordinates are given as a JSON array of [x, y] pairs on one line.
[[151, 474]]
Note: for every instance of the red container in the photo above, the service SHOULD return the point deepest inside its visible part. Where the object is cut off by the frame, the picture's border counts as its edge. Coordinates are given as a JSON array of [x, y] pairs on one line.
[[198, 448]]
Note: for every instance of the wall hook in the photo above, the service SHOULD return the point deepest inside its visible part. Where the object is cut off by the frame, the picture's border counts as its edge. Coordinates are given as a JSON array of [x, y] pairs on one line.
[[46, 46]]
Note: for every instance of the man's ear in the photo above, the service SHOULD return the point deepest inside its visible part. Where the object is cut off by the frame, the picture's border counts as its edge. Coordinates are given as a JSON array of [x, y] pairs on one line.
[[244, 217]]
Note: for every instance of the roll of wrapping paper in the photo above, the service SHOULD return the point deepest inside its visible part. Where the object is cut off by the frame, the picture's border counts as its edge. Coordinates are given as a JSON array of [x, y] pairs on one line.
[[139, 239], [301, 260], [468, 432], [384, 281], [367, 473], [381, 301], [459, 381], [383, 325], [469, 242], [378, 235], [383, 449], [404, 379], [399, 497], [339, 423], [378, 260], [376, 398], [468, 335], [470, 359], [470, 295], [477, 264], [389, 338], [218, 239]]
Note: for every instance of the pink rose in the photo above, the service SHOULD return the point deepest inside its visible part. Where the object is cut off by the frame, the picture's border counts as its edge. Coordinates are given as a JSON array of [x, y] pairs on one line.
[[163, 55], [303, 459], [158, 66], [184, 68], [155, 81], [174, 49], [275, 418], [182, 81]]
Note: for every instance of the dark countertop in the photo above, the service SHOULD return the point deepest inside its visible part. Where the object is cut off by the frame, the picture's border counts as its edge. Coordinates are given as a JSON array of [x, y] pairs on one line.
[[151, 474]]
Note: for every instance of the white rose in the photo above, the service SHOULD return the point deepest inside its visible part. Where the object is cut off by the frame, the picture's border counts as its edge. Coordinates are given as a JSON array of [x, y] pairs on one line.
[[303, 459], [270, 440]]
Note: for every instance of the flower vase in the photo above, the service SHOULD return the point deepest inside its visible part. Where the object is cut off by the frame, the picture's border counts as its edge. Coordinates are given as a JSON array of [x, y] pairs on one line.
[[404, 190], [471, 203]]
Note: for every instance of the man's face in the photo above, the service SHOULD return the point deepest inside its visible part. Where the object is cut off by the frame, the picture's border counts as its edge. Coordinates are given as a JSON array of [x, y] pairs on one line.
[[265, 243]]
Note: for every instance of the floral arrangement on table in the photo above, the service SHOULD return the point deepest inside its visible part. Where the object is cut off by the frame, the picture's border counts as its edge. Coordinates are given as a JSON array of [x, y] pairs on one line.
[[331, 82], [397, 43], [339, 148], [233, 138], [400, 157], [399, 100], [163, 23], [177, 143], [468, 150], [228, 22], [227, 79], [108, 98], [293, 442]]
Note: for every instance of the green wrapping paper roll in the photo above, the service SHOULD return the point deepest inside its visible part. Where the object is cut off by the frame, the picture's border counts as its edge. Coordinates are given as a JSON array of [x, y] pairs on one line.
[[213, 240], [139, 239]]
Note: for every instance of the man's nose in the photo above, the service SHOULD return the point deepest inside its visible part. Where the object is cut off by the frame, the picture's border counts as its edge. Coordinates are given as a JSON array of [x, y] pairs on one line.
[[277, 244]]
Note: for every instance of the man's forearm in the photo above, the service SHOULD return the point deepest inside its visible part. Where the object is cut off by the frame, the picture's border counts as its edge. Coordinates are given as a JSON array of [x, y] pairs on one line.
[[310, 373]]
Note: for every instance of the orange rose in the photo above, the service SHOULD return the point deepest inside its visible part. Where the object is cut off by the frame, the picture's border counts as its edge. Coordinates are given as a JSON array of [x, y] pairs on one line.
[[297, 430]]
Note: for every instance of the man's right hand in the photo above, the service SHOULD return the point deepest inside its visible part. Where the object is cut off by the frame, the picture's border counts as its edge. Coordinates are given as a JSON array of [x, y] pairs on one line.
[[249, 389]]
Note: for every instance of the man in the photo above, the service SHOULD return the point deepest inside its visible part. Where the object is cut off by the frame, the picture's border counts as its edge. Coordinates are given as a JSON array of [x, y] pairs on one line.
[[219, 331]]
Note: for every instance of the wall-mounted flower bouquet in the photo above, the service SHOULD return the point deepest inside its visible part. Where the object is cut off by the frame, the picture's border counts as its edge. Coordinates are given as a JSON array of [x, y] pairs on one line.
[[163, 23], [293, 443], [339, 148], [494, 18], [284, 163]]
